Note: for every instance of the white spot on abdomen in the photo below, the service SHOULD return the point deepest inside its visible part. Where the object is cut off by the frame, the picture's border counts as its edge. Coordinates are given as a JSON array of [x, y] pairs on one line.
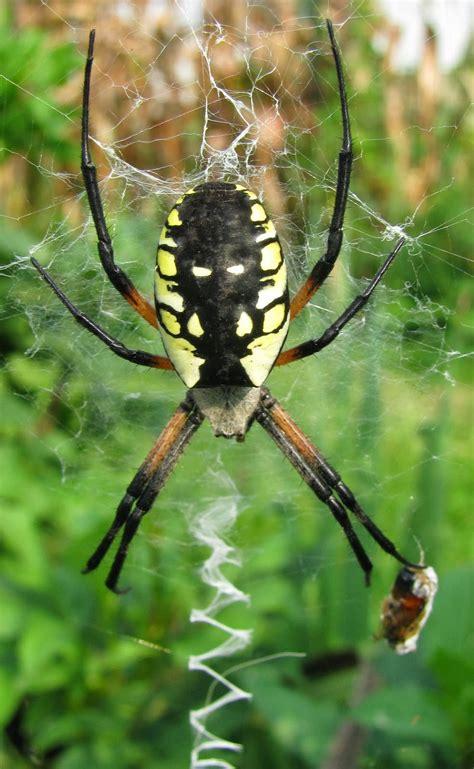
[[201, 272]]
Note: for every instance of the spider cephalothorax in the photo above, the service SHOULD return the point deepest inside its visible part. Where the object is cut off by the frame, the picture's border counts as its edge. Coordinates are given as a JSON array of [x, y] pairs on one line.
[[223, 310]]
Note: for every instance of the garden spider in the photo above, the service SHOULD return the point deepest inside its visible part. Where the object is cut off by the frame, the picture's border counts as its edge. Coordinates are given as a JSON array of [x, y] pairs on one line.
[[223, 310]]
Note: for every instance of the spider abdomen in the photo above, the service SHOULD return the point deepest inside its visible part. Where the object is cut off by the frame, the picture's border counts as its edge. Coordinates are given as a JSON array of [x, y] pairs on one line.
[[221, 288]]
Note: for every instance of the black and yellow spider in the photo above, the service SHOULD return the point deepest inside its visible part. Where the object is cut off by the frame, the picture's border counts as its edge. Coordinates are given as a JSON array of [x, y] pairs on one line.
[[223, 310]]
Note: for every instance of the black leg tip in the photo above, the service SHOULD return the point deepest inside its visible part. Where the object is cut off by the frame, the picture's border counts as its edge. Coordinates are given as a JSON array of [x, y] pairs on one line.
[[92, 563], [330, 30], [408, 563], [91, 43], [368, 576], [112, 585]]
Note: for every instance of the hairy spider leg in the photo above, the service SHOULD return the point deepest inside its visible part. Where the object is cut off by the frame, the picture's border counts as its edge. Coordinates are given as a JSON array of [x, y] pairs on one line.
[[146, 471], [315, 345], [316, 484], [325, 264], [323, 480], [315, 459], [115, 274], [149, 493], [145, 487], [139, 357]]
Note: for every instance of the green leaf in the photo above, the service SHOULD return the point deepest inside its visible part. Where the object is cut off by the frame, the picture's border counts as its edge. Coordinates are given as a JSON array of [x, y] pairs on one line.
[[48, 653], [405, 713], [11, 694], [299, 723], [451, 624]]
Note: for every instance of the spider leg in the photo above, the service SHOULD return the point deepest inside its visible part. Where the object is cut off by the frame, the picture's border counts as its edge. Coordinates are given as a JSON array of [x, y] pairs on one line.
[[316, 484], [148, 495], [325, 264], [139, 357], [116, 275], [145, 487], [146, 471], [322, 479], [315, 345]]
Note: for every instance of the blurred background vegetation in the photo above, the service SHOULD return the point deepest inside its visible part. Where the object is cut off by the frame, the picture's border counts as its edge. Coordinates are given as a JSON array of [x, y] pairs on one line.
[[89, 679]]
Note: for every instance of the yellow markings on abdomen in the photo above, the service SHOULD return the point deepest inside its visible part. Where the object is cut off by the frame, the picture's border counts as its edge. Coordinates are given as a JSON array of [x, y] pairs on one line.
[[166, 262], [274, 290], [244, 325], [248, 192], [194, 325], [182, 197], [237, 269], [166, 239], [263, 353], [166, 294], [170, 322], [181, 352], [173, 219], [268, 231], [273, 318], [271, 256], [258, 213]]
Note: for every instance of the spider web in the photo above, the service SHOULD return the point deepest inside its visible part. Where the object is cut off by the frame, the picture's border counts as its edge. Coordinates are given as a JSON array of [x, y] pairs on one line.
[[179, 98]]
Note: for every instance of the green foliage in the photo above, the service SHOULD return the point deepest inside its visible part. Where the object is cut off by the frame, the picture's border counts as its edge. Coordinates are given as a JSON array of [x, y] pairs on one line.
[[32, 122]]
